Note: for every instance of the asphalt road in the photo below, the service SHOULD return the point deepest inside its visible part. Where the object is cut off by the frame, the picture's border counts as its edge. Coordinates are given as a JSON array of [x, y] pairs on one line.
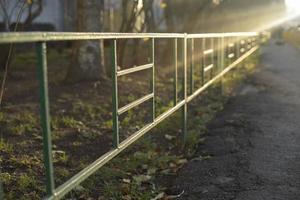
[[252, 151]]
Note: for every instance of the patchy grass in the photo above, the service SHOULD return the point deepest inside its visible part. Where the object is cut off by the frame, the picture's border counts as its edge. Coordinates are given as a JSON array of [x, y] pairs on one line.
[[81, 132], [5, 147]]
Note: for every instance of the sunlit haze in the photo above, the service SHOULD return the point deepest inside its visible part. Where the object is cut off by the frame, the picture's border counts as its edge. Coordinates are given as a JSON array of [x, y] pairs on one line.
[[293, 5]]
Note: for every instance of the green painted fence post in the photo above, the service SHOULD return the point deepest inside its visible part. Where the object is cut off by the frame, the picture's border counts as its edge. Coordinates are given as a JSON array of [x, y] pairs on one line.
[[212, 58], [203, 61], [222, 64], [238, 48], [218, 66], [45, 115], [192, 67], [184, 109], [175, 72], [238, 54], [115, 106], [152, 85]]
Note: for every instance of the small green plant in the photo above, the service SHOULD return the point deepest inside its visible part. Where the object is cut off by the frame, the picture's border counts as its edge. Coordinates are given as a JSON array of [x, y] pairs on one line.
[[60, 157], [86, 110], [192, 141], [113, 191], [2, 117], [108, 124], [25, 123], [70, 122], [5, 146], [61, 173], [5, 178], [20, 129], [26, 182]]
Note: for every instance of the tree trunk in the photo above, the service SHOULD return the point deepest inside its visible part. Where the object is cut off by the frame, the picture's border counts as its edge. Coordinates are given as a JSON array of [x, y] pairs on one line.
[[88, 56], [169, 16], [149, 16], [34, 10]]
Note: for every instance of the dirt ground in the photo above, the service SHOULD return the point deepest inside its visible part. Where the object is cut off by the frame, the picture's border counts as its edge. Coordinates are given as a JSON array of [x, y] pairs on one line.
[[252, 149]]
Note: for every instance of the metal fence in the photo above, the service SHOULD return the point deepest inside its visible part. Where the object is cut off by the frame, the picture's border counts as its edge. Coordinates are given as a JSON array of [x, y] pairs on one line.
[[220, 52]]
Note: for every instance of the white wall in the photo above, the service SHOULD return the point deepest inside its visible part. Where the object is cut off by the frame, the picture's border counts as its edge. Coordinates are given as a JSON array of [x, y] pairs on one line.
[[53, 12]]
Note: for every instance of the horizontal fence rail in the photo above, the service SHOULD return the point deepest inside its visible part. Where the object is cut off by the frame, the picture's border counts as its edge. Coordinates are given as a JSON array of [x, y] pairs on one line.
[[220, 52]]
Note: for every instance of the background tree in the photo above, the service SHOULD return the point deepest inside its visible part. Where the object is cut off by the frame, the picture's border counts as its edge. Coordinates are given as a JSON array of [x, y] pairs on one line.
[[137, 16], [87, 61], [23, 11], [34, 9], [220, 15], [192, 16], [14, 10]]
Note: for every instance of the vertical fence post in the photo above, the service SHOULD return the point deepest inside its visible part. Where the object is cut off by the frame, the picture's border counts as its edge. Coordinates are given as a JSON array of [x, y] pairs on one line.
[[238, 48], [222, 63], [219, 46], [192, 67], [184, 109], [45, 115], [238, 53], [212, 58], [153, 77], [203, 61], [175, 72], [249, 46], [218, 68], [115, 105]]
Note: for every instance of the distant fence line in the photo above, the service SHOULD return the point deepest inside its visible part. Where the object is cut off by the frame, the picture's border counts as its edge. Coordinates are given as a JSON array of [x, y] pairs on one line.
[[220, 52]]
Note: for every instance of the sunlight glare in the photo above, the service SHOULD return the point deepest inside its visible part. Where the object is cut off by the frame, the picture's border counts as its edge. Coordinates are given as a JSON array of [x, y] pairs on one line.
[[293, 6]]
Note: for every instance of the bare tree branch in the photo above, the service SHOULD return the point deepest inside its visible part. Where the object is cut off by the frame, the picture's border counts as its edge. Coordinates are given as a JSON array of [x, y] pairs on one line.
[[10, 53], [12, 12], [6, 18], [33, 13]]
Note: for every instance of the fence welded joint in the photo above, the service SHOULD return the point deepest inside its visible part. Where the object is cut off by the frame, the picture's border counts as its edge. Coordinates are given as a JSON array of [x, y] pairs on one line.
[[249, 43]]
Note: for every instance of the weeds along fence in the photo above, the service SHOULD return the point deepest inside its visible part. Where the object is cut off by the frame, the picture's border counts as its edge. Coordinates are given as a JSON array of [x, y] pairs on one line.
[[220, 52]]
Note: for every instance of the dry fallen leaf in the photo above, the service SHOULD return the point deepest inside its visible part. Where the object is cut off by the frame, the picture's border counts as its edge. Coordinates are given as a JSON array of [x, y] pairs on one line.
[[174, 196], [126, 197], [181, 161], [125, 180], [141, 178], [159, 196], [169, 137]]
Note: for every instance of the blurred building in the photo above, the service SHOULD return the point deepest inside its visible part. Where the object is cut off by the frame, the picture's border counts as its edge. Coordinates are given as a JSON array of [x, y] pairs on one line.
[[60, 15], [238, 15]]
